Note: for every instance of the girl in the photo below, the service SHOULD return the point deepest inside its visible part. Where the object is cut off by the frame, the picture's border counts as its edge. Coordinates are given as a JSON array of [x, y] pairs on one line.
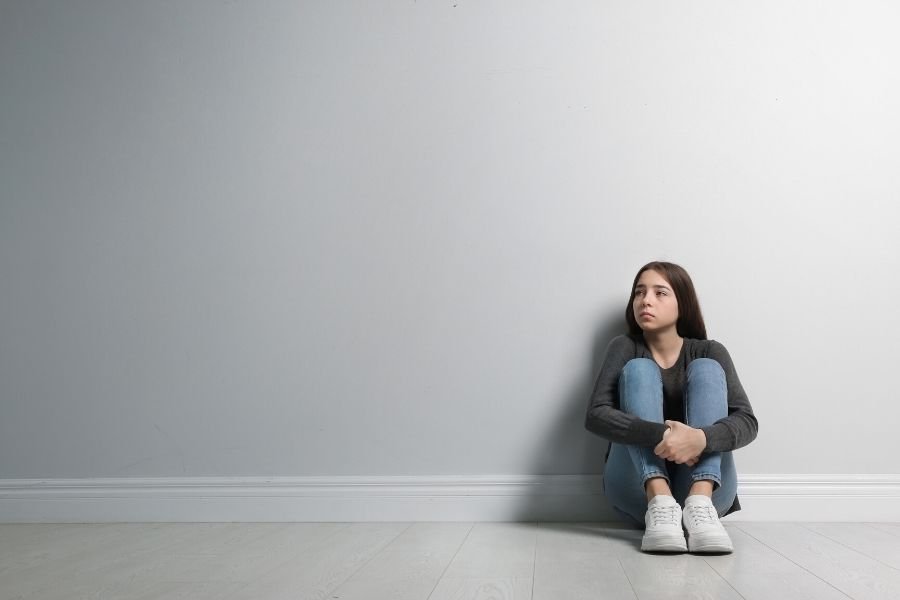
[[672, 406]]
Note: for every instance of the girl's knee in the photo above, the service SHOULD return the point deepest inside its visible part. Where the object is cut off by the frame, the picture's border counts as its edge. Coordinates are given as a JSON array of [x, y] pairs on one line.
[[640, 367], [705, 376], [705, 367], [641, 389]]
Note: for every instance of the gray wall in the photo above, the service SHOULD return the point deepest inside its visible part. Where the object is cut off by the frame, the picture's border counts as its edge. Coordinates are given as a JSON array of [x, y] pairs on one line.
[[338, 238]]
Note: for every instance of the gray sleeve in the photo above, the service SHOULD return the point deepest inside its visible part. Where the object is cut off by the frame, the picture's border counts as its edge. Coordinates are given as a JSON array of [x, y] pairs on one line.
[[603, 415], [740, 427]]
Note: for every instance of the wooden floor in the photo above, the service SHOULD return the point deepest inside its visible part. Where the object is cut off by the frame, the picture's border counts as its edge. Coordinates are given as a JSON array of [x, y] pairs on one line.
[[439, 561]]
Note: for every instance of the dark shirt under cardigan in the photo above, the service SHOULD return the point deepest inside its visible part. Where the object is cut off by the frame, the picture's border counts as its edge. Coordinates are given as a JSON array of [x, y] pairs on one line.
[[605, 419]]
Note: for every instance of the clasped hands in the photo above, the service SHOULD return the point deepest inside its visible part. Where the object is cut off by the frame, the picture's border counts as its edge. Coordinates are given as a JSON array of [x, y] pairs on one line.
[[681, 444]]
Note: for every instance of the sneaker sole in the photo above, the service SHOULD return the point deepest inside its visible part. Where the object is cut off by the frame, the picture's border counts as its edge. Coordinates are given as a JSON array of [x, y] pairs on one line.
[[667, 543], [716, 544]]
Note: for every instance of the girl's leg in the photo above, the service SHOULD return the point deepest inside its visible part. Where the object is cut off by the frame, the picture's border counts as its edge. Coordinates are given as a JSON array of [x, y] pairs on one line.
[[629, 467], [705, 402], [623, 487], [641, 394], [723, 495]]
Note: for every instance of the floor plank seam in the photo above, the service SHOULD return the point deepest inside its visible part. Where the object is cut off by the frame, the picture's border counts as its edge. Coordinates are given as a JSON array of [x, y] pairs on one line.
[[839, 590], [450, 562], [259, 578], [373, 557], [851, 548], [723, 578], [537, 537], [627, 578], [887, 530]]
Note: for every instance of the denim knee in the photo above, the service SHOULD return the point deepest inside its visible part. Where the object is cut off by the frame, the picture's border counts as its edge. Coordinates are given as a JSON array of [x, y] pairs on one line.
[[641, 389], [639, 367], [705, 367], [705, 382]]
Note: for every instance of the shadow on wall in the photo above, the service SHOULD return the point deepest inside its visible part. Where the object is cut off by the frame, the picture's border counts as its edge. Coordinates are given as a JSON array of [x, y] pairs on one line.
[[567, 448]]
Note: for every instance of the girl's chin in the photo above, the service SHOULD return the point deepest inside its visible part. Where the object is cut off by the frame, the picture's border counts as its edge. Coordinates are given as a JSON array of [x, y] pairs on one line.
[[651, 329]]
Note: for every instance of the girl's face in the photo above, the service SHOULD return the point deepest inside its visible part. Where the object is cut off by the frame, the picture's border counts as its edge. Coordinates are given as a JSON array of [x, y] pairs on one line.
[[655, 306]]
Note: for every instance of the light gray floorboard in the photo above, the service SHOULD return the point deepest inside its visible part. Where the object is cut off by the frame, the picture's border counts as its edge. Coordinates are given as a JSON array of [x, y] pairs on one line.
[[410, 567], [675, 577], [757, 572], [439, 561], [581, 561], [892, 528], [122, 560], [848, 570], [878, 545], [316, 571], [496, 560]]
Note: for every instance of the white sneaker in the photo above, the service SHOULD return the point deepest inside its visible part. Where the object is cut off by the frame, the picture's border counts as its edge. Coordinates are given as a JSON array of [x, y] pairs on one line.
[[663, 519], [705, 532]]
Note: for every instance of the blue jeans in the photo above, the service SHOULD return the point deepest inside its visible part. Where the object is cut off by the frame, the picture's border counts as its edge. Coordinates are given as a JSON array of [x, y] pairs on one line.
[[629, 467]]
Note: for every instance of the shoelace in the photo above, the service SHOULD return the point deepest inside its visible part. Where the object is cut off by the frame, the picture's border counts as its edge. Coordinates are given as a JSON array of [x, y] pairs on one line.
[[663, 514], [701, 515]]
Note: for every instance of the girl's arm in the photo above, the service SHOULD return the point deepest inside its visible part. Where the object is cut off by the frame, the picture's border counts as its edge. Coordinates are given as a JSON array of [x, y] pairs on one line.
[[740, 427], [604, 417]]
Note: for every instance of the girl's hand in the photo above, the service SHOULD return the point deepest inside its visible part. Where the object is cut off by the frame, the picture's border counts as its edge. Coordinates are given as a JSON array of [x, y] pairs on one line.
[[681, 444]]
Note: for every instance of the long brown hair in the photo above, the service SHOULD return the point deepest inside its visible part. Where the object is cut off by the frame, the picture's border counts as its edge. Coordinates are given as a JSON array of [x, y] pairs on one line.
[[690, 320]]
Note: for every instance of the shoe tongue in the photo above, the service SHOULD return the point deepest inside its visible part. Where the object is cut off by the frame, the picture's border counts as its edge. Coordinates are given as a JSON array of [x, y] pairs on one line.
[[698, 499], [662, 499]]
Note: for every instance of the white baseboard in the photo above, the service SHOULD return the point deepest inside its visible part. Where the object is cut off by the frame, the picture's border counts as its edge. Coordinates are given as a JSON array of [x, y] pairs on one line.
[[809, 498], [416, 498]]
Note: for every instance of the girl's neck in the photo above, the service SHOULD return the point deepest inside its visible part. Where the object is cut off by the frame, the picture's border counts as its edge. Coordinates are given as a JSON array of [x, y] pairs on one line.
[[664, 343]]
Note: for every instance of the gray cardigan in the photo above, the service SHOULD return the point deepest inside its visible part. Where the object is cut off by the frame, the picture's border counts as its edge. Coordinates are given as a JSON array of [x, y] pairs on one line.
[[605, 419]]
